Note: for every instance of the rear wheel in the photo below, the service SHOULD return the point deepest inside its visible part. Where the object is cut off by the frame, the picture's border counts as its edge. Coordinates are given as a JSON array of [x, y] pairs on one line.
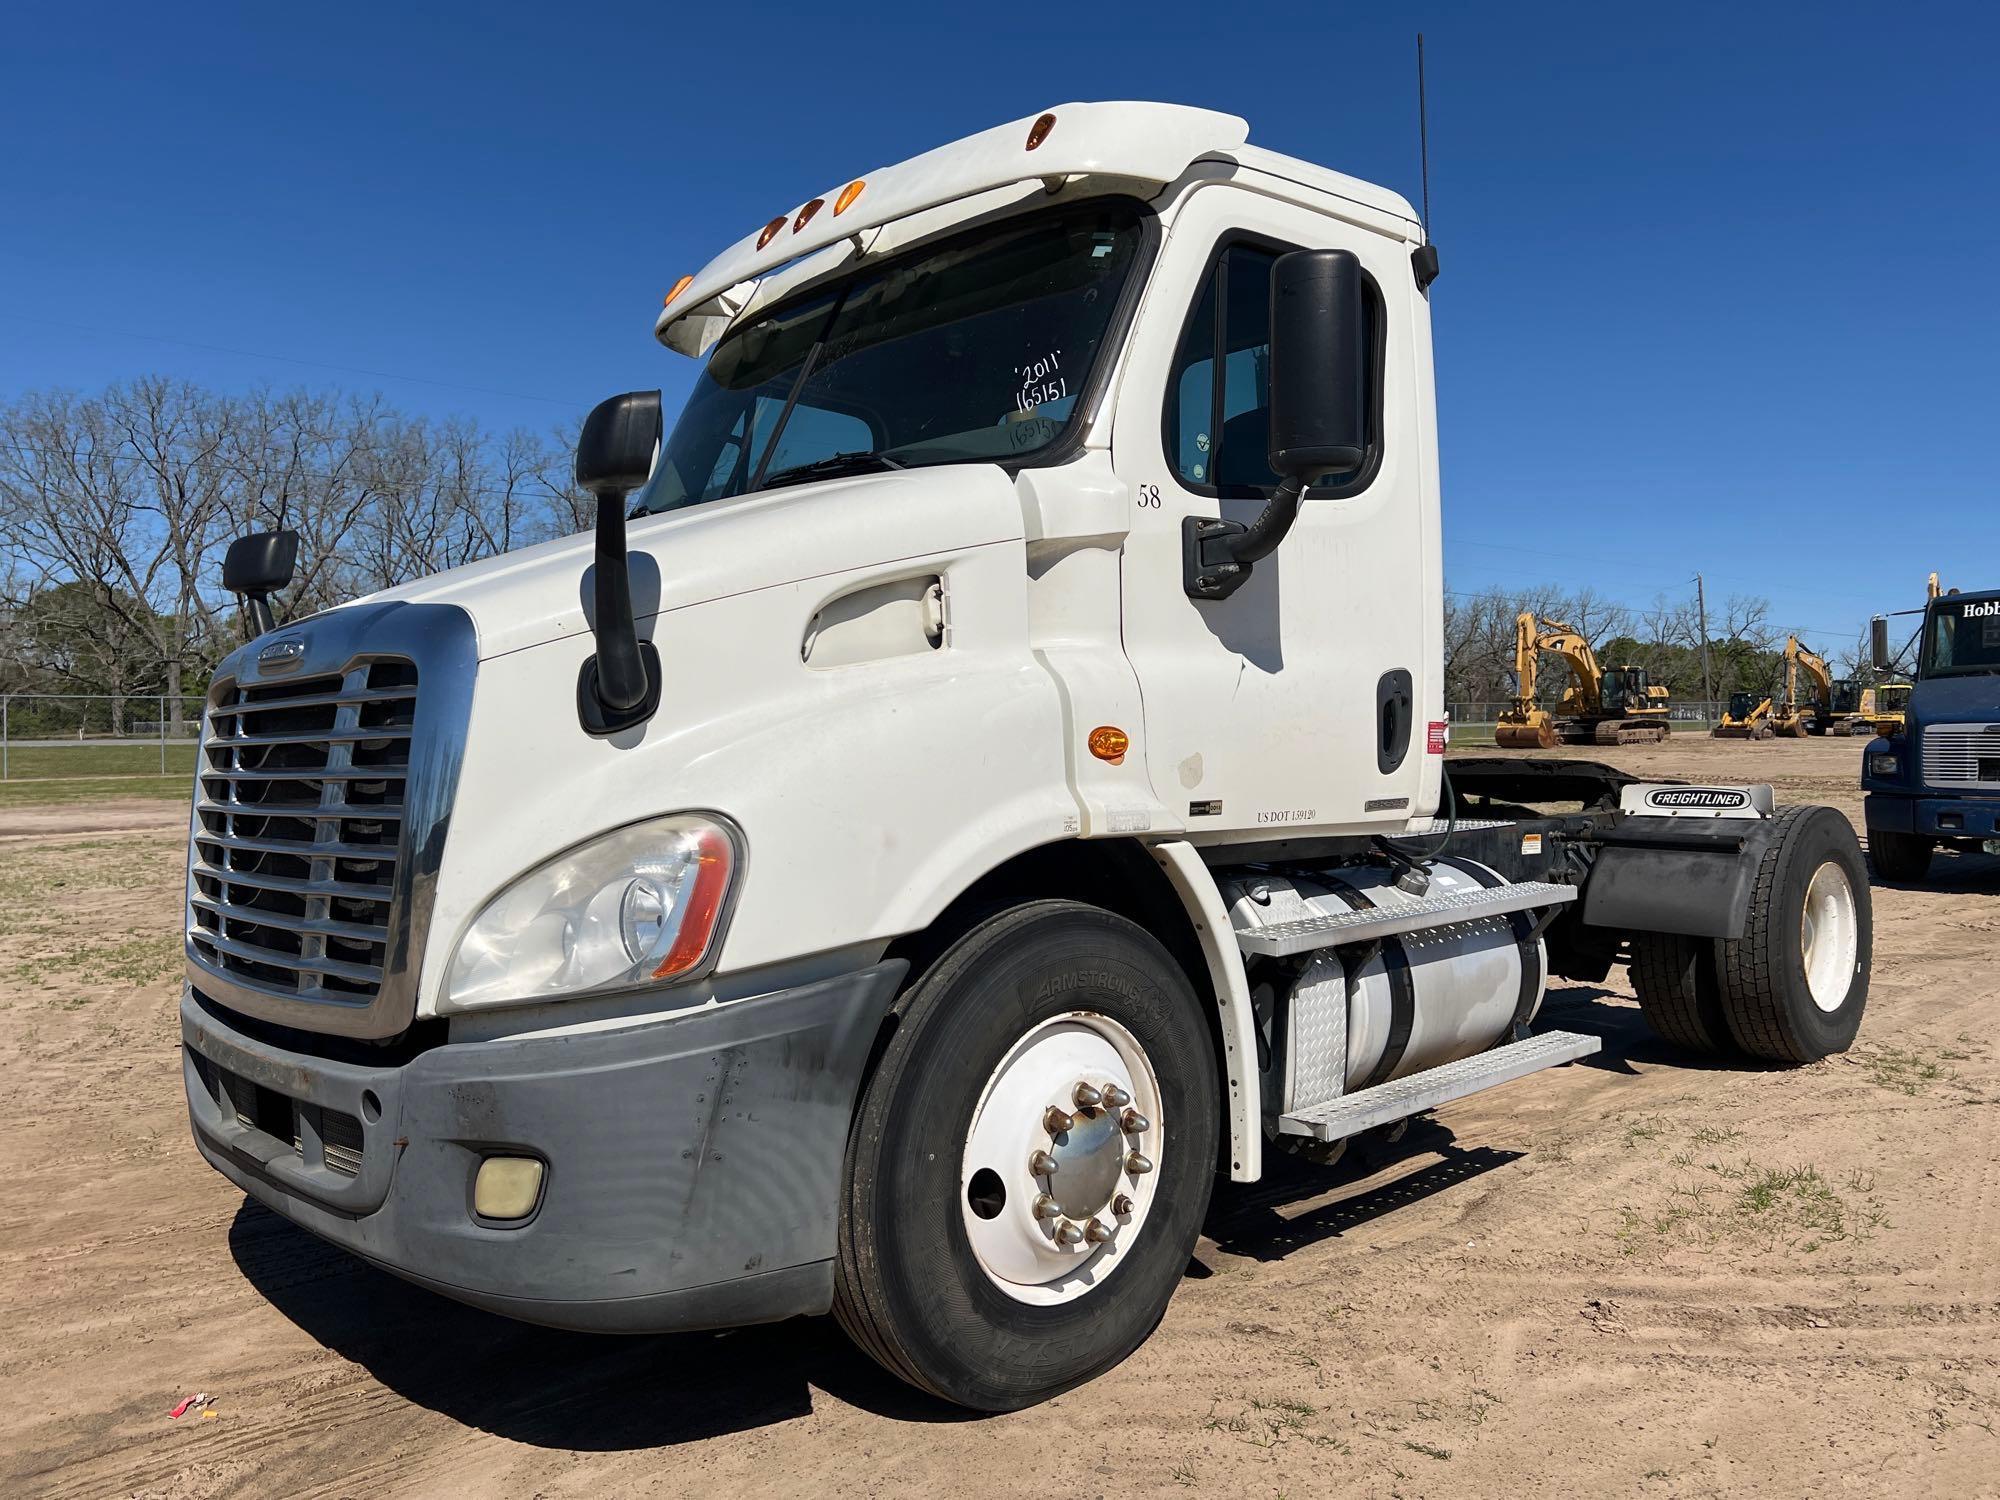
[[1795, 983], [1899, 856], [1029, 1166], [1675, 980]]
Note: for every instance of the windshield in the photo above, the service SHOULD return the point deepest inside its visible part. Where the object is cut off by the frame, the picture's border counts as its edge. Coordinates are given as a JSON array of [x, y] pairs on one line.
[[975, 349], [1962, 638]]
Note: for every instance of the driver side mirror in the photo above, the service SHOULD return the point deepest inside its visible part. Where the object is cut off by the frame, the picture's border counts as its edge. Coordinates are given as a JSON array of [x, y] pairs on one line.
[[1320, 356], [1878, 643]]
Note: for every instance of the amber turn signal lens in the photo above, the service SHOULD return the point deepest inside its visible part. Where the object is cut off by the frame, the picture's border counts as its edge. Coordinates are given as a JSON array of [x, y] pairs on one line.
[[806, 213], [1039, 131], [847, 196], [1108, 743], [771, 229], [679, 286]]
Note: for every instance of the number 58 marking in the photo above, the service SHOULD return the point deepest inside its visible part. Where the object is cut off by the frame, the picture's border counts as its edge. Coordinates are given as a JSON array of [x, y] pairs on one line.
[[1149, 497]]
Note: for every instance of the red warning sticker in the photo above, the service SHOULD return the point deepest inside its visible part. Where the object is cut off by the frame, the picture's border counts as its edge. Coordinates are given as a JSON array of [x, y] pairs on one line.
[[1440, 732]]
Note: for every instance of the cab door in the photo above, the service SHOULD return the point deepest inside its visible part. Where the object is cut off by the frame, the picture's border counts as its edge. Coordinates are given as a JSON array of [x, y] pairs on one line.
[[1299, 702]]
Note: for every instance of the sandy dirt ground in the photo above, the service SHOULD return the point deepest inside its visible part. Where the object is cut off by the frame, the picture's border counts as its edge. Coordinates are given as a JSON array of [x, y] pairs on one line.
[[1637, 1276]]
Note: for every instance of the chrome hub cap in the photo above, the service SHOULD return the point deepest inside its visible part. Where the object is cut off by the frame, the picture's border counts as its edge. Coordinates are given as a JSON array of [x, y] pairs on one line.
[[1057, 1177]]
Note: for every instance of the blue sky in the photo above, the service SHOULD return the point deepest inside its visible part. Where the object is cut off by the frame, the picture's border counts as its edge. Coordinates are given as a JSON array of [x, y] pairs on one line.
[[1718, 288]]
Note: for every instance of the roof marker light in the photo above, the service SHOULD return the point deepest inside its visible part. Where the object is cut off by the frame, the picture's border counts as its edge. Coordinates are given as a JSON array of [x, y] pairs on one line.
[[806, 213], [847, 196], [679, 286], [1039, 131], [771, 229]]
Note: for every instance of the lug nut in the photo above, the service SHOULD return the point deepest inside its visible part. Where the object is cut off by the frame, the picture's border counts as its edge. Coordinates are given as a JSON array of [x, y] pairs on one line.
[[1087, 1097], [1115, 1097], [1068, 1234], [1055, 1122], [1096, 1232], [1046, 1208], [1122, 1206], [1042, 1164], [1134, 1122], [1138, 1165]]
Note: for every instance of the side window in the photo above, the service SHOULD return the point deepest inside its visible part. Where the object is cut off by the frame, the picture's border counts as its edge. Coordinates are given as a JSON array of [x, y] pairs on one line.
[[1218, 424]]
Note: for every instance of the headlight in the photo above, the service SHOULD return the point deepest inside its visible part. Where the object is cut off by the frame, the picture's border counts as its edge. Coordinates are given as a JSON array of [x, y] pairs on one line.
[[1883, 765], [643, 905]]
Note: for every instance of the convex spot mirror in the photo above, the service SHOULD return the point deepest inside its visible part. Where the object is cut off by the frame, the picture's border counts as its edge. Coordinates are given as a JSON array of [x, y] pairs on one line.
[[1319, 364], [614, 452], [261, 563]]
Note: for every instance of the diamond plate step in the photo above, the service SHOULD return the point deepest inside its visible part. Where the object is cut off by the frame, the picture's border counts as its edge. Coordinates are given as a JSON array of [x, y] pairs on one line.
[[1389, 1102], [1282, 939]]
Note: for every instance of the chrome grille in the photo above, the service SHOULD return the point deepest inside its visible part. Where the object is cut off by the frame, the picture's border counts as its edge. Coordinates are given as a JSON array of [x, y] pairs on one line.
[[299, 831], [1962, 755]]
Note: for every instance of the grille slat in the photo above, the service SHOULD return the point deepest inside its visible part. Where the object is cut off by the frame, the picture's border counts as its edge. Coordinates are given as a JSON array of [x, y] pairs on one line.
[[287, 894], [310, 737], [360, 932], [388, 812], [1962, 755]]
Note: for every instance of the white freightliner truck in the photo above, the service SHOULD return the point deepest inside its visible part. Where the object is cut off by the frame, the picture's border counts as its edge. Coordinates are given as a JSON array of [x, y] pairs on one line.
[[982, 780]]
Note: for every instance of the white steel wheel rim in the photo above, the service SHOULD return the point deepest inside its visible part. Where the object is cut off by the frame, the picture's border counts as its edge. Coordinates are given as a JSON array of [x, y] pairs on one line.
[[1829, 936], [1025, 1255]]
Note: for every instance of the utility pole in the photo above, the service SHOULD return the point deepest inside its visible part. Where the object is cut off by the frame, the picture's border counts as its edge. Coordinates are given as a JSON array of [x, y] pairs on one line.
[[1701, 616]]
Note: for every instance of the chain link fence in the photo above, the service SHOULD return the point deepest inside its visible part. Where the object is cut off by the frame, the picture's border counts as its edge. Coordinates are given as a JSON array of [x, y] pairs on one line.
[[45, 737]]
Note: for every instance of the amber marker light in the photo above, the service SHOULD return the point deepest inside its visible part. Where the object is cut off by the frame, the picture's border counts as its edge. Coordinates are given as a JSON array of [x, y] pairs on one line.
[[771, 229], [806, 213], [714, 862], [847, 196], [1109, 744], [1039, 131], [679, 286]]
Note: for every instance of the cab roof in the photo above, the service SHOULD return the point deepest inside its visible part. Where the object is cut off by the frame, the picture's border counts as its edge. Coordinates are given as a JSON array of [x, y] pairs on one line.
[[1122, 141]]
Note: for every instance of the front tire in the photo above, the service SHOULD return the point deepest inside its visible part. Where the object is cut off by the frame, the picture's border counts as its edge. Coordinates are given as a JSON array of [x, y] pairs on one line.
[[955, 1268], [1899, 856]]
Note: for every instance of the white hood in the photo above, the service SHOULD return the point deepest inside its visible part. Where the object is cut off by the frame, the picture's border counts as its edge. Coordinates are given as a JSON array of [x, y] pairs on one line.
[[725, 548]]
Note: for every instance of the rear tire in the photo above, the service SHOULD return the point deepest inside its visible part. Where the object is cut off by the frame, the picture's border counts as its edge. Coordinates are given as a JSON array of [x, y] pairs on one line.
[[1899, 856], [1675, 980], [1795, 984], [946, 1272]]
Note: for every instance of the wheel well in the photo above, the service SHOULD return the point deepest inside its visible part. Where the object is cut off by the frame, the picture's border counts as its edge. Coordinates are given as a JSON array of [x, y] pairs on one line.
[[1115, 874]]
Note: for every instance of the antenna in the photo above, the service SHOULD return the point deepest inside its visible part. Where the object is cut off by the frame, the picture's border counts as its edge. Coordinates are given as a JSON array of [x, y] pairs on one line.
[[1424, 259]]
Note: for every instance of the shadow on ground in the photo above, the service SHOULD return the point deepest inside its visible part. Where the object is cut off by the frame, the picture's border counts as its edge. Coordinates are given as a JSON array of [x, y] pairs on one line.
[[549, 1388], [599, 1393]]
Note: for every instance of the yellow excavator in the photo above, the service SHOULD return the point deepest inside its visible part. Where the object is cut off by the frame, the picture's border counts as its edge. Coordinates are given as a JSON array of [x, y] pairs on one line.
[[1748, 717], [1601, 706], [1812, 716]]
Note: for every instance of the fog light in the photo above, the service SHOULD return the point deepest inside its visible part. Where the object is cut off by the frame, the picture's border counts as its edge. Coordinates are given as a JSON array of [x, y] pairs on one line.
[[508, 1187]]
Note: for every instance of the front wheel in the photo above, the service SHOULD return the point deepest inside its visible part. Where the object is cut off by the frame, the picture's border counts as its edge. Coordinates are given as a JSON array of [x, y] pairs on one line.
[[1031, 1161], [1899, 856]]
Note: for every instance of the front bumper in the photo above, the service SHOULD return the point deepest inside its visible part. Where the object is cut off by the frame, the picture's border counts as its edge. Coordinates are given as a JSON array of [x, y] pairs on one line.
[[692, 1165], [1940, 817]]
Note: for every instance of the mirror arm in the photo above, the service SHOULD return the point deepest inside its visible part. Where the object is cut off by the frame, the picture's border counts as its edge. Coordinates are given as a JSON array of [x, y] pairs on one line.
[[620, 685], [258, 616], [1216, 555]]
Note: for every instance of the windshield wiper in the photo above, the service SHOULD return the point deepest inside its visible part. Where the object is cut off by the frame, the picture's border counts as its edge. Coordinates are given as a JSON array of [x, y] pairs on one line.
[[860, 461]]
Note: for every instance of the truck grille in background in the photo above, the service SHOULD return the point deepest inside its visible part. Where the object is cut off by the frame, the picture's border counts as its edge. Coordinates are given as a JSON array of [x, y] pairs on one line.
[[299, 830], [284, 1118], [1962, 755]]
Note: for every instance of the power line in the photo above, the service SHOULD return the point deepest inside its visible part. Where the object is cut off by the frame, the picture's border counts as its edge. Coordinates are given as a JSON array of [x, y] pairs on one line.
[[288, 359]]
